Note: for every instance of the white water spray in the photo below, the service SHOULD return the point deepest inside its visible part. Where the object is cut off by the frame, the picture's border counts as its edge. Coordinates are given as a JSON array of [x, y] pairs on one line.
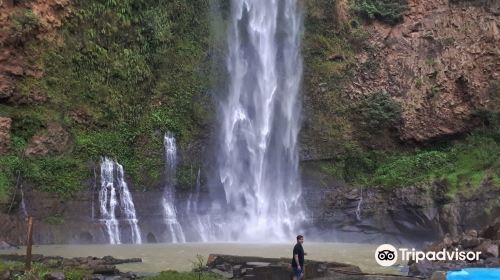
[[258, 165], [114, 195], [168, 201]]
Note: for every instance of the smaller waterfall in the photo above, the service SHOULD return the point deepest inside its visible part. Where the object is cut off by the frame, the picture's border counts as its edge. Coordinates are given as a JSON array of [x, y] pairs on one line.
[[168, 200], [127, 206], [23, 203], [358, 208], [108, 202], [201, 224], [114, 192]]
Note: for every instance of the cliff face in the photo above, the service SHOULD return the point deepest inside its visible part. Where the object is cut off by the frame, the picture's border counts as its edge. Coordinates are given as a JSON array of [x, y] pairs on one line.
[[73, 88], [21, 25], [441, 64]]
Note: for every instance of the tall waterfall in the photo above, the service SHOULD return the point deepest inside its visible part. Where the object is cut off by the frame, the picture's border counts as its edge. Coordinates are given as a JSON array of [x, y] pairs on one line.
[[168, 201], [114, 195], [260, 118]]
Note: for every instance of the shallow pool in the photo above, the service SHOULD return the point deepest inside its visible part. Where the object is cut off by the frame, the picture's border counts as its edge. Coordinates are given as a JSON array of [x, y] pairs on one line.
[[158, 257], [474, 274]]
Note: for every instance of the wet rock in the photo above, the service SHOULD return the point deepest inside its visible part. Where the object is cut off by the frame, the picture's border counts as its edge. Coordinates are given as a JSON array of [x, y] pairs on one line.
[[492, 231]]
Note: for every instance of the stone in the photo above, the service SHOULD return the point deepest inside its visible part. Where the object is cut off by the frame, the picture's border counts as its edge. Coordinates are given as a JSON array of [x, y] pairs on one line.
[[470, 242], [5, 124], [488, 249], [471, 233], [53, 141], [258, 264], [438, 275], [227, 275], [6, 246]]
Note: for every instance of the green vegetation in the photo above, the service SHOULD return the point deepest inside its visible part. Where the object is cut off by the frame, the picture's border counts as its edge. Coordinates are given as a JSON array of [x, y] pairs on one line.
[[39, 271], [388, 11], [376, 112], [23, 23], [116, 84], [466, 163], [174, 275]]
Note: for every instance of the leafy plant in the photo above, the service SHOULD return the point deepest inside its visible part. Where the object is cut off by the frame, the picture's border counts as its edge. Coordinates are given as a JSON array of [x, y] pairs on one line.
[[23, 23], [377, 112], [388, 11]]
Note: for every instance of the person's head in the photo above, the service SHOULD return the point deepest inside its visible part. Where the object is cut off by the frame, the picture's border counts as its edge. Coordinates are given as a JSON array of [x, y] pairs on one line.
[[300, 239]]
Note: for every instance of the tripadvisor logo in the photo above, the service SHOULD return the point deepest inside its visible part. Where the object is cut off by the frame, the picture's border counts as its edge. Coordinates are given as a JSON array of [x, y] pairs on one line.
[[387, 255]]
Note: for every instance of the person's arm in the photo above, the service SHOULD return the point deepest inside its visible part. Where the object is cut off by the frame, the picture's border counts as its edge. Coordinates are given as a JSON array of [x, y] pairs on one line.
[[296, 257]]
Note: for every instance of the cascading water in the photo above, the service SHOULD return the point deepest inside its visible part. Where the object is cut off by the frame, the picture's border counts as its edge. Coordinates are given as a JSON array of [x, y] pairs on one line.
[[200, 222], [358, 208], [108, 202], [127, 206], [168, 201], [114, 192], [23, 203], [258, 154]]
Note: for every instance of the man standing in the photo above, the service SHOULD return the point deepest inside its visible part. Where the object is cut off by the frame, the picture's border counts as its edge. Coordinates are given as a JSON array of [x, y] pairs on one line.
[[298, 259]]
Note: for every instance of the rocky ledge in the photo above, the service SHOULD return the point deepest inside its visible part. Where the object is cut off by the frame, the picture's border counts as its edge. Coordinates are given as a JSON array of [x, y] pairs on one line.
[[100, 268], [486, 241], [239, 267]]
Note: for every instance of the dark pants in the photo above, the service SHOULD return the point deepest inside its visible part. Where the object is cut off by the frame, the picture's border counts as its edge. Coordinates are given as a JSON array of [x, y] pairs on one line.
[[297, 272]]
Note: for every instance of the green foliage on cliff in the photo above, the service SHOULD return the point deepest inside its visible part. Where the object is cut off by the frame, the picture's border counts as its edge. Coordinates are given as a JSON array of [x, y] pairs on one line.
[[376, 112], [117, 76], [388, 11], [465, 163], [23, 23]]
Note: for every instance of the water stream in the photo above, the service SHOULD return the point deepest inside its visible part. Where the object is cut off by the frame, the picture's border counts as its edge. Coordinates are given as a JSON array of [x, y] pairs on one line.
[[114, 196], [174, 228]]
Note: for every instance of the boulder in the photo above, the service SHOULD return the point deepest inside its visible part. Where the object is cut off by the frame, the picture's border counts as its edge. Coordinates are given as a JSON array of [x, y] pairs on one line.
[[492, 231], [488, 249], [468, 242]]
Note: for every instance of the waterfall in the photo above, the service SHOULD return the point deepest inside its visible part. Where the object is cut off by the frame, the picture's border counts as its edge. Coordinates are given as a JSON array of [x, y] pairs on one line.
[[127, 206], [114, 195], [200, 222], [23, 203], [258, 157], [358, 208], [168, 201]]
